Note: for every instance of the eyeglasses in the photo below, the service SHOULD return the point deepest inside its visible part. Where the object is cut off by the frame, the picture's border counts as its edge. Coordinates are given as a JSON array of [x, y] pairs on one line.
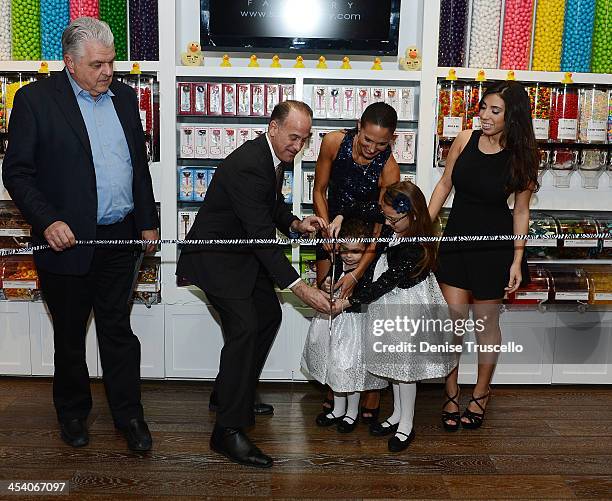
[[393, 220]]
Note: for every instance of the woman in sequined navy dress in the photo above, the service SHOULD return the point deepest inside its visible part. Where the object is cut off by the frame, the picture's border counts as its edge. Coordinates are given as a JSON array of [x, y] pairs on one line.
[[352, 171]]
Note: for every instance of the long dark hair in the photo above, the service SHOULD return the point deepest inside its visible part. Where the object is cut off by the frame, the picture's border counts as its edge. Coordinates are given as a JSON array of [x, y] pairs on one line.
[[420, 221], [518, 137]]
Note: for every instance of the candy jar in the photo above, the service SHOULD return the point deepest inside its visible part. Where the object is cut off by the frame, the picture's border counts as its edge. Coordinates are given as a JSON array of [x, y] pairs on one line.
[[541, 224], [485, 27], [516, 35], [25, 15], [601, 282], [564, 119], [144, 38], [570, 285], [453, 29], [591, 166], [536, 291], [473, 96], [82, 8], [114, 12], [578, 35], [548, 35], [54, 17], [545, 156], [540, 97], [601, 57], [19, 279], [563, 164], [604, 224], [578, 224], [5, 30], [593, 108], [451, 109]]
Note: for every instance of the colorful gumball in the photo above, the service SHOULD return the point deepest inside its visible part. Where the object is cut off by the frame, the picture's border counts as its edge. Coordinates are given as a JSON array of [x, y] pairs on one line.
[[54, 17], [548, 35], [578, 35], [25, 15], [144, 38], [84, 8], [5, 30], [453, 29], [601, 58], [114, 12], [516, 38]]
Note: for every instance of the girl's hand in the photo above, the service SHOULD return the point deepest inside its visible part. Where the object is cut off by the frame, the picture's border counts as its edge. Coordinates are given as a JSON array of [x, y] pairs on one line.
[[346, 285], [332, 231], [515, 278], [339, 306], [325, 286]]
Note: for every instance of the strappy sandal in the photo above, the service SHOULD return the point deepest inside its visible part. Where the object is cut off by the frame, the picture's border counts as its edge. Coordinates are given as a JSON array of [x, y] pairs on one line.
[[475, 418], [451, 416]]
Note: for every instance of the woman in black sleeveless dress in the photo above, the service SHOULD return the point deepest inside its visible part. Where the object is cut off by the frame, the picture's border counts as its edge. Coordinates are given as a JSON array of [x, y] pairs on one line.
[[485, 168]]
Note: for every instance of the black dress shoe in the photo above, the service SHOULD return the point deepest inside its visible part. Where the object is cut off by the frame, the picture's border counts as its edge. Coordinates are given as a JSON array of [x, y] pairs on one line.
[[259, 407], [323, 420], [398, 444], [378, 430], [74, 432], [237, 447], [347, 424], [137, 435]]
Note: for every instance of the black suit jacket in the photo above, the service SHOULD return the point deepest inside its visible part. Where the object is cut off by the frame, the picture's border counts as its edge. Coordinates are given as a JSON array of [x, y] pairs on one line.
[[48, 168], [243, 201]]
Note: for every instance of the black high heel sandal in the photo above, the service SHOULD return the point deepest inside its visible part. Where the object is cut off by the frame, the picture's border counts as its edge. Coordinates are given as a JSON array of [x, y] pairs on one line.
[[475, 418], [451, 416]]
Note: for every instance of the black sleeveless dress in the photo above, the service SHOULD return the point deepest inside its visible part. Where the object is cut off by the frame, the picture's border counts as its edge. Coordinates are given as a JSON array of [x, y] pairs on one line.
[[480, 207]]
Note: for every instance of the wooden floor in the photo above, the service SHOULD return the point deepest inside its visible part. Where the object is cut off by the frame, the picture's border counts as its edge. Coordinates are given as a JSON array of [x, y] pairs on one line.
[[537, 443]]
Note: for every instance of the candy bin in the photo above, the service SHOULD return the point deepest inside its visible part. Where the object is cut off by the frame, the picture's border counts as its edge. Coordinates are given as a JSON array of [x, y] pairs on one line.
[[610, 116], [516, 37], [545, 156], [548, 35], [442, 153], [604, 224], [144, 38], [485, 27], [570, 285], [12, 85], [453, 29], [18, 278], [5, 30], [25, 16], [538, 289], [15, 232], [601, 57], [591, 166], [541, 224], [148, 285], [84, 8], [54, 17], [593, 112], [114, 12], [540, 97], [578, 35], [564, 117], [578, 224], [563, 164], [601, 285], [451, 109], [473, 96]]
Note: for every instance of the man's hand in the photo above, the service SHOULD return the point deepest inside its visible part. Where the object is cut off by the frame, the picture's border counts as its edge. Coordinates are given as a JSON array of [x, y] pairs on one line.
[[332, 231], [59, 236], [150, 235], [309, 224], [312, 296], [339, 306]]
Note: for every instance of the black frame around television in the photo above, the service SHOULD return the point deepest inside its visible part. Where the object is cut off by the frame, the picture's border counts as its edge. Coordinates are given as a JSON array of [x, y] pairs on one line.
[[381, 45]]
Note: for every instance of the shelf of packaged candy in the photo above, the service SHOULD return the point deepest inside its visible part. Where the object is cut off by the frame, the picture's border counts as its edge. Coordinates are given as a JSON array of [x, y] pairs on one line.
[[147, 290], [19, 279], [542, 35]]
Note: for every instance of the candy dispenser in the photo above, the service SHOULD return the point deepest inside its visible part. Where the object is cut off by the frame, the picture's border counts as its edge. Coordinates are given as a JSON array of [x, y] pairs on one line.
[[25, 16], [601, 56], [541, 224], [453, 30], [604, 223], [610, 116], [591, 166], [577, 224], [15, 232], [564, 117], [601, 285], [538, 289], [54, 17], [473, 96], [148, 284], [5, 30], [593, 111], [563, 164], [517, 34], [144, 38], [548, 35], [81, 8], [451, 109], [114, 12], [10, 87], [442, 153], [540, 97], [578, 35], [545, 156], [570, 285], [485, 28], [19, 279]]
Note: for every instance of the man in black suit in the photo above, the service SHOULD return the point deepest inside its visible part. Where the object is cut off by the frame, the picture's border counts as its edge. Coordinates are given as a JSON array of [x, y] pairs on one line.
[[76, 168], [244, 200]]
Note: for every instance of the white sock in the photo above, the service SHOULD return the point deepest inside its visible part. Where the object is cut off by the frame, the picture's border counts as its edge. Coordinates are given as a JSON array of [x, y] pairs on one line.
[[352, 408], [397, 407], [407, 393], [339, 405]]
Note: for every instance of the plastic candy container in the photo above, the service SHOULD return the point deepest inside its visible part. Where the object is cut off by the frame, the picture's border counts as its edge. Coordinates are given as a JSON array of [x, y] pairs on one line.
[[577, 224], [542, 248], [473, 96], [537, 290], [563, 164], [564, 118], [144, 39], [25, 29], [451, 109], [578, 35], [610, 116], [484, 33], [540, 97], [516, 38], [570, 285], [19, 278], [548, 35], [5, 30], [601, 58], [601, 290], [593, 107], [54, 17], [114, 12], [591, 166], [453, 29], [605, 226], [81, 8]]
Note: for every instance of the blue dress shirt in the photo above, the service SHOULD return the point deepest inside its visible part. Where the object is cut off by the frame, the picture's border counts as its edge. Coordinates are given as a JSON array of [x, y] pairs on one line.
[[111, 154]]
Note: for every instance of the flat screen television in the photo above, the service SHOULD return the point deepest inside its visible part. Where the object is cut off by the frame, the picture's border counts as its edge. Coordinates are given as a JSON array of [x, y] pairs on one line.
[[301, 26]]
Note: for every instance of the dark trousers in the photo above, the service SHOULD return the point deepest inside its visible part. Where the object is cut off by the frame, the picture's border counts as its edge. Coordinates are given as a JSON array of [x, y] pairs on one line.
[[249, 328], [70, 299]]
